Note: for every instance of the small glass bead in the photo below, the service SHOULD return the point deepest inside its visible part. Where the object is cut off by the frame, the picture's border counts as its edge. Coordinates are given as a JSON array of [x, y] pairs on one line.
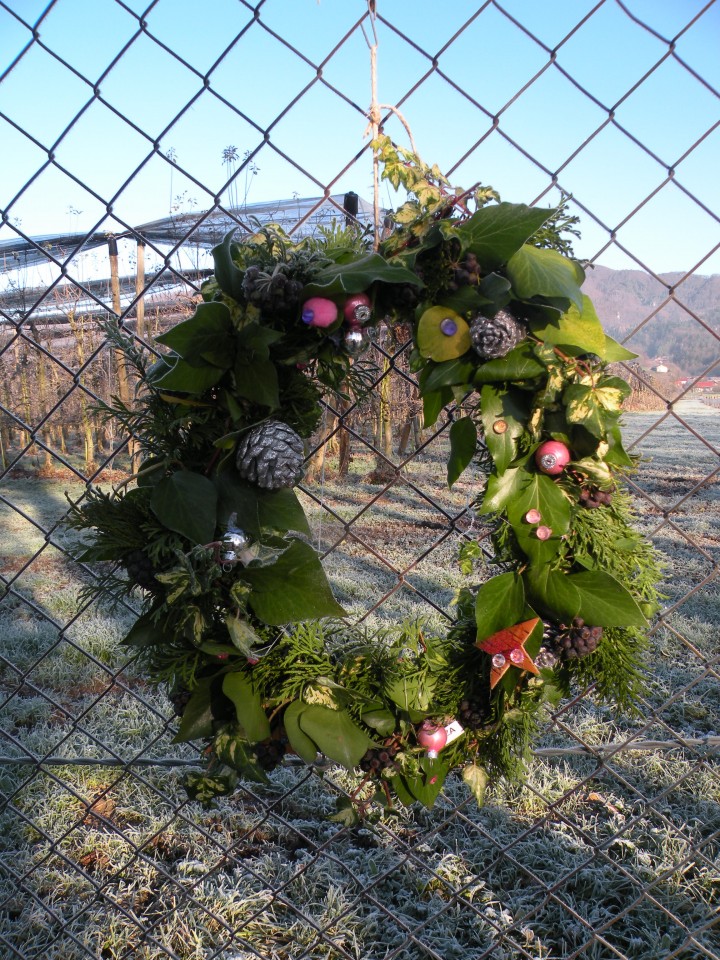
[[448, 327], [498, 661]]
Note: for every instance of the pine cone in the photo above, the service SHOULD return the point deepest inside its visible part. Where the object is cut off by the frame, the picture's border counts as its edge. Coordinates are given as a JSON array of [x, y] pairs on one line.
[[493, 337], [271, 456]]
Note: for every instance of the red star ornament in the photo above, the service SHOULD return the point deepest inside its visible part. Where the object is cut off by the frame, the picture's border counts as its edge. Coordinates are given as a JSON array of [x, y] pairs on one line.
[[510, 643]]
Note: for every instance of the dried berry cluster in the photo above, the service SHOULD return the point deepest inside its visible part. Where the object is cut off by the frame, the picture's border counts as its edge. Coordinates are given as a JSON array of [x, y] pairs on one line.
[[472, 714], [380, 760], [140, 569], [270, 752], [577, 639], [593, 497], [272, 292], [466, 273]]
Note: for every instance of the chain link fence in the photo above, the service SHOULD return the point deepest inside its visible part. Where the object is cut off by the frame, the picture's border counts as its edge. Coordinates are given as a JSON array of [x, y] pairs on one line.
[[609, 848]]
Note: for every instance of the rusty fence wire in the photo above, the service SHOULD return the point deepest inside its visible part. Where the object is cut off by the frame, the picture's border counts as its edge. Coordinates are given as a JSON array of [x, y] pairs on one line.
[[237, 113]]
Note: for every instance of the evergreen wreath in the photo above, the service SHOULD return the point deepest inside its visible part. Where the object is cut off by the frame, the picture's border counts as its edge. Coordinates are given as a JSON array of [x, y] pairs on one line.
[[239, 622]]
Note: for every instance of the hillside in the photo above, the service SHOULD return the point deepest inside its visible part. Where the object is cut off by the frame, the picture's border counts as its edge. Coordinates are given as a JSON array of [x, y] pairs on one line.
[[625, 298]]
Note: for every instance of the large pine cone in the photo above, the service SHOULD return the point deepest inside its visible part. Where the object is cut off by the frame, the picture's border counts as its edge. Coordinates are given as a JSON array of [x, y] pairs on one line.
[[493, 337], [271, 455]]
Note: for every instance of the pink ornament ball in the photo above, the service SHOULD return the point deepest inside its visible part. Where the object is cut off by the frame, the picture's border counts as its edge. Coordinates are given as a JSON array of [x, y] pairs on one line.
[[319, 312], [432, 738], [357, 308], [552, 457]]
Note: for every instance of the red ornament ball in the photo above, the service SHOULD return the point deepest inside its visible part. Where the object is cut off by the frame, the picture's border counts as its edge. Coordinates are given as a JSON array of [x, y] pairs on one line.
[[552, 457], [357, 309], [432, 737]]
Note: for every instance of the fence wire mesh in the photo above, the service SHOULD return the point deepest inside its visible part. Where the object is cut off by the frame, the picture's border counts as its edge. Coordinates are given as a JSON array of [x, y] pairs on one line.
[[609, 848]]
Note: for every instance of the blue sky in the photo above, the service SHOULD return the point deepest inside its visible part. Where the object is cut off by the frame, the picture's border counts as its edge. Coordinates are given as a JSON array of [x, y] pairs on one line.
[[319, 140]]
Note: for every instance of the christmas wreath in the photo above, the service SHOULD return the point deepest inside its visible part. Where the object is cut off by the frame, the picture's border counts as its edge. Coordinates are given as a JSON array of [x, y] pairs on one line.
[[239, 621]]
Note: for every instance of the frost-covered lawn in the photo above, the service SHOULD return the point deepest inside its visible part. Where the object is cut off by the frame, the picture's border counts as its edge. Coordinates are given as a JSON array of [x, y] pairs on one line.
[[593, 857]]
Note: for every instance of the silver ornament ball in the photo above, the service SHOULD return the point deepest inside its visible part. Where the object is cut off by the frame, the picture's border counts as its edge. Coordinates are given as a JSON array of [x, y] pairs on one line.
[[232, 545], [355, 342]]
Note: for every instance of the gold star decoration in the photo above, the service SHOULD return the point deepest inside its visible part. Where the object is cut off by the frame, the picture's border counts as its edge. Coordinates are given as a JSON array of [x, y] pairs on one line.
[[509, 644]]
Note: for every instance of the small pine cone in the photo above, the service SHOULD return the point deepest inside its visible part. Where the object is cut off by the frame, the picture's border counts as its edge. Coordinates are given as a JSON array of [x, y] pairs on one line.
[[271, 455], [496, 336]]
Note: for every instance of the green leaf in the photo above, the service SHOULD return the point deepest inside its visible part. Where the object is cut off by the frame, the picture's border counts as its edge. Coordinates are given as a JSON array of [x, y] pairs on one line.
[[242, 633], [495, 232], [232, 749], [337, 736], [411, 692], [144, 632], [449, 373], [496, 289], [186, 503], [291, 589], [428, 784], [358, 275], [248, 706], [552, 591], [463, 443], [546, 273], [228, 275], [208, 334], [346, 812], [542, 494], [185, 378], [581, 408], [500, 603], [434, 401], [520, 364], [379, 719], [617, 455], [476, 779], [258, 511], [504, 487], [197, 718], [204, 787], [615, 352], [301, 743], [257, 381], [505, 413], [604, 602], [576, 331]]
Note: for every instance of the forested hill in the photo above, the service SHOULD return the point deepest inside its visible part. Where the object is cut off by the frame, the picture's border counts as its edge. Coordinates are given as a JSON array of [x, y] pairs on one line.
[[624, 298]]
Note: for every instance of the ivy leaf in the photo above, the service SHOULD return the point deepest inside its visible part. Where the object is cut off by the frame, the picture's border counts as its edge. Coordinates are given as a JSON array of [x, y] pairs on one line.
[[358, 275], [502, 488], [496, 289], [301, 743], [495, 232], [463, 443], [500, 603], [544, 495], [427, 785], [449, 373], [519, 364], [258, 511], [257, 381], [242, 634], [476, 779], [617, 455], [144, 632], [346, 813], [227, 273], [379, 719], [335, 733], [604, 602], [505, 413], [410, 692], [434, 401], [595, 407], [186, 503], [197, 718], [232, 750], [248, 706], [577, 331], [186, 378], [534, 272], [208, 334], [291, 589], [615, 352], [552, 591]]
